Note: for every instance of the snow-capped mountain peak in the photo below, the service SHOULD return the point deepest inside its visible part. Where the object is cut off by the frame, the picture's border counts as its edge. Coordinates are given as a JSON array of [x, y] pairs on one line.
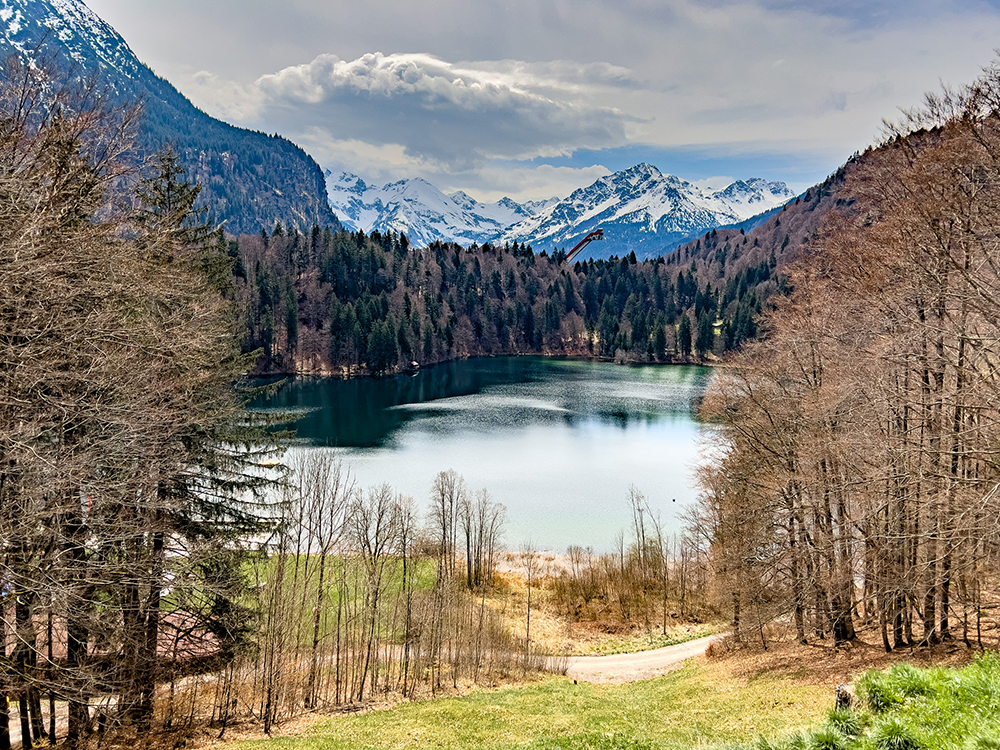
[[83, 35], [418, 209], [348, 183], [463, 199], [644, 210], [639, 208]]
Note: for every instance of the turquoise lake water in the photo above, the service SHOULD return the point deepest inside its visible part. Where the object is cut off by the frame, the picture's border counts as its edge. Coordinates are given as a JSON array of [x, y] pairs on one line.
[[558, 442]]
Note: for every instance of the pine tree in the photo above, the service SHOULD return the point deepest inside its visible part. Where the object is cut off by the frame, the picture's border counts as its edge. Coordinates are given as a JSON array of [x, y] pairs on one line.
[[684, 335], [705, 339], [382, 351], [660, 342]]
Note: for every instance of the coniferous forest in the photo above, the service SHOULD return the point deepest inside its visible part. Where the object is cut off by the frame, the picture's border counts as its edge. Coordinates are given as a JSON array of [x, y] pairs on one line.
[[348, 303]]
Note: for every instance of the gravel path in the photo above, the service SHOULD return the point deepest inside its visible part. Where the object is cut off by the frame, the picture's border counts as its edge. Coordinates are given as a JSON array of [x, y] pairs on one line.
[[638, 666]]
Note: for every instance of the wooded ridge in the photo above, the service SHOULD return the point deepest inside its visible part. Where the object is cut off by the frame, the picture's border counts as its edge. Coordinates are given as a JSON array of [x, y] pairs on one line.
[[347, 303]]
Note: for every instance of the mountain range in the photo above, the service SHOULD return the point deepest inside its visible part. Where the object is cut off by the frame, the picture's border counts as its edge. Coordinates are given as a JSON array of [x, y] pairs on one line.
[[640, 209], [249, 179], [422, 212]]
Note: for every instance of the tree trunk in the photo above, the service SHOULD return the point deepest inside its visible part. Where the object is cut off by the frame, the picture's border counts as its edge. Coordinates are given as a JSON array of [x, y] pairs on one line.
[[148, 660]]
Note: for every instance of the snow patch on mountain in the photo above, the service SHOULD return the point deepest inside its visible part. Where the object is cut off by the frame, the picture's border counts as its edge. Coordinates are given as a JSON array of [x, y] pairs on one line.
[[85, 38], [640, 209], [421, 211]]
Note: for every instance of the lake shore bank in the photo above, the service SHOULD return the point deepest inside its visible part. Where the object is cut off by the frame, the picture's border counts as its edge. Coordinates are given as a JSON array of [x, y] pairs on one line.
[[355, 372]]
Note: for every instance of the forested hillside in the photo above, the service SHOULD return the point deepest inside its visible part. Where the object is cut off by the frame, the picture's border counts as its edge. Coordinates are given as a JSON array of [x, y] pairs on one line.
[[734, 256], [349, 303], [249, 179]]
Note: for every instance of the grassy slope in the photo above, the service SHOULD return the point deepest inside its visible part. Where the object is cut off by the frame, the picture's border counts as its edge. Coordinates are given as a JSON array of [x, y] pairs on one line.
[[907, 708], [689, 707], [606, 644]]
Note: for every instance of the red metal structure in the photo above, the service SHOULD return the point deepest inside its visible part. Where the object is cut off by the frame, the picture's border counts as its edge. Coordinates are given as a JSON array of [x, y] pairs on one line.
[[597, 234]]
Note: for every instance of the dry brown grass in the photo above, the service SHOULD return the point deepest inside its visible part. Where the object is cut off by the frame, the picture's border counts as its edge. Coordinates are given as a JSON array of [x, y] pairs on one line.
[[823, 663], [553, 633]]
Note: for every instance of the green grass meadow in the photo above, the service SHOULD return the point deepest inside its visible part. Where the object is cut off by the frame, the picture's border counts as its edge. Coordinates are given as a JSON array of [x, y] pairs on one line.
[[688, 708], [902, 708]]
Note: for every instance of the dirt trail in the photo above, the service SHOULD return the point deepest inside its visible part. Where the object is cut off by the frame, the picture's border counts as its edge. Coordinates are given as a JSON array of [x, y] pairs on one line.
[[636, 666]]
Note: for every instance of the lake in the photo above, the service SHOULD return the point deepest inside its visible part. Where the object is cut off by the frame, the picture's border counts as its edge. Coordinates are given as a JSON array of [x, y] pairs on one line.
[[558, 442]]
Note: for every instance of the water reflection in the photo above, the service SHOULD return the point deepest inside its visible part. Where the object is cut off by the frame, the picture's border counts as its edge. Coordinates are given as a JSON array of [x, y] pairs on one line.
[[490, 394], [558, 442]]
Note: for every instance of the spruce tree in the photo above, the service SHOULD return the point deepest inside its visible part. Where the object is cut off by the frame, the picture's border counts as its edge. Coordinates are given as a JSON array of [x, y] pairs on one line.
[[208, 461], [705, 340], [684, 335], [660, 342]]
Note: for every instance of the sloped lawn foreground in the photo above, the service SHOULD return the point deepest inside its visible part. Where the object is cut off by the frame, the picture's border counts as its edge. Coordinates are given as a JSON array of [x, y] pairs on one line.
[[697, 706], [691, 707]]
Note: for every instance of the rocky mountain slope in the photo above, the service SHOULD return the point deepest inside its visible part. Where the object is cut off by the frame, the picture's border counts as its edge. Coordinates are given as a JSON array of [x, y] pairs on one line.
[[250, 179], [645, 211]]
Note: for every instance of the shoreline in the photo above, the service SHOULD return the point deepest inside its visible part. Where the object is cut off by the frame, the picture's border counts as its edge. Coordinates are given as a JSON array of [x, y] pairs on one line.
[[356, 372]]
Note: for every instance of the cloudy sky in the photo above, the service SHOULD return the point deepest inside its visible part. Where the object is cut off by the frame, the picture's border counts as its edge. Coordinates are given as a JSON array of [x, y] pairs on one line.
[[532, 98]]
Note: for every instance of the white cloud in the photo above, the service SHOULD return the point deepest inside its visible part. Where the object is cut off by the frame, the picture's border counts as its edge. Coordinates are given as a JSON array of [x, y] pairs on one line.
[[457, 115], [522, 183], [228, 100], [711, 184], [550, 77], [489, 182]]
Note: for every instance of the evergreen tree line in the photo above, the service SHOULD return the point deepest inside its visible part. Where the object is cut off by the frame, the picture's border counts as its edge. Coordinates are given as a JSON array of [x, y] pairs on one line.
[[856, 477], [349, 303]]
